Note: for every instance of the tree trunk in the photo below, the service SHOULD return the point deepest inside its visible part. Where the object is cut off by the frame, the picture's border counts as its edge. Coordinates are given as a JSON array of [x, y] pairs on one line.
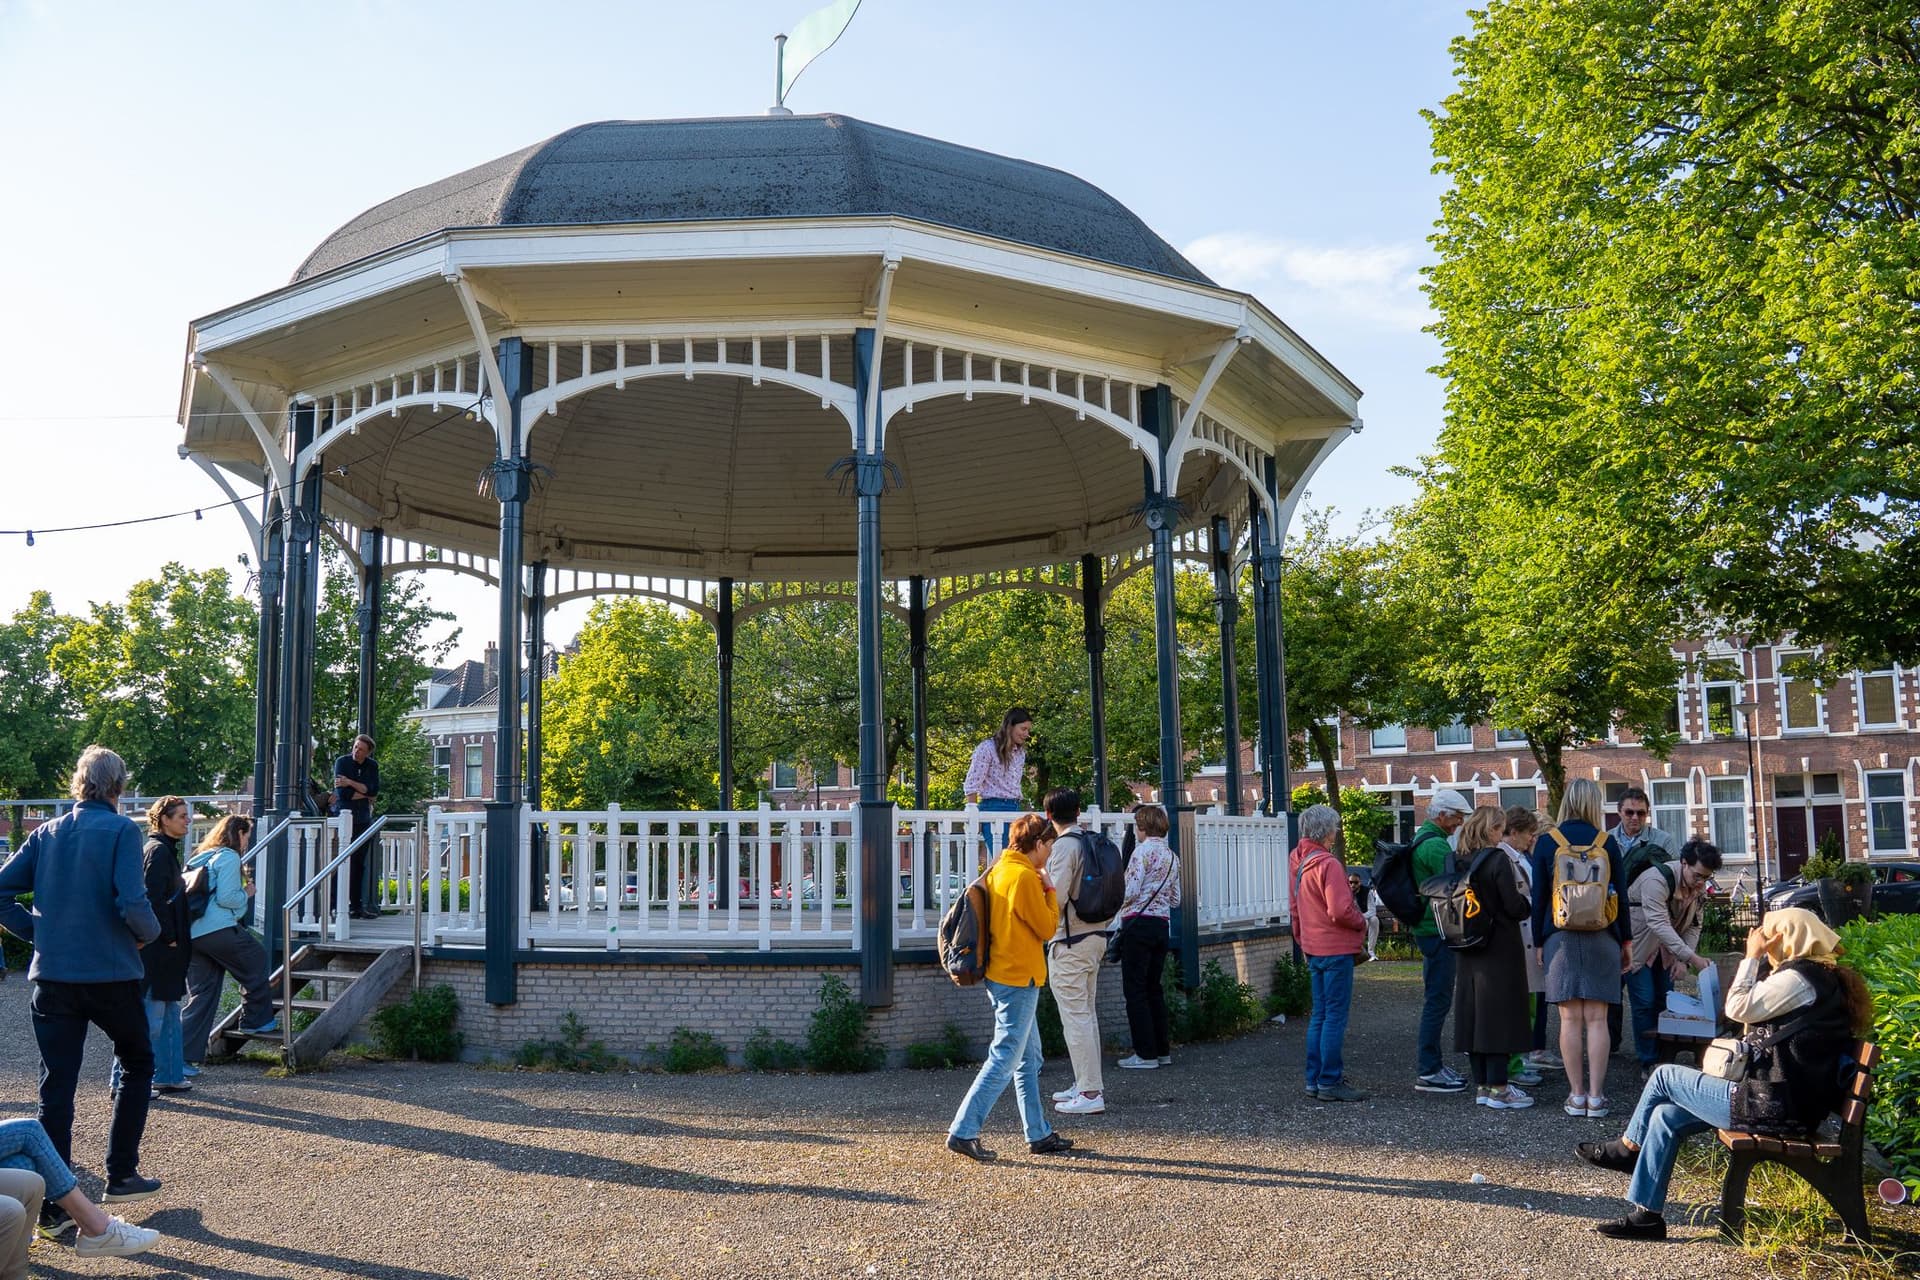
[[1328, 751], [1549, 753]]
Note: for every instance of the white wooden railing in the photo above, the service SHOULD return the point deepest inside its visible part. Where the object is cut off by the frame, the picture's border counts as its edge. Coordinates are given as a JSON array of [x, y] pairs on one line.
[[768, 878], [311, 844]]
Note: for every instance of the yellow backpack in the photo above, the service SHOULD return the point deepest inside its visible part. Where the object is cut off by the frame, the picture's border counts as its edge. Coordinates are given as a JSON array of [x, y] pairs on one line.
[[1583, 896]]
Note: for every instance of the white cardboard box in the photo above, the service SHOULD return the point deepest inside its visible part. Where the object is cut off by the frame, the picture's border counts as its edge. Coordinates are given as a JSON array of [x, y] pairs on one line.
[[1697, 1016]]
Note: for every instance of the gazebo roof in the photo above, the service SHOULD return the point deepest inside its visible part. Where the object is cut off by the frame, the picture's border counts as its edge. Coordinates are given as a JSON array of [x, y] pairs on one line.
[[759, 167]]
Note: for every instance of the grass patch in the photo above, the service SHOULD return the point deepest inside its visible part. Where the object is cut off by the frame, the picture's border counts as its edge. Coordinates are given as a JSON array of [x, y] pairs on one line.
[[1789, 1227], [764, 1052]]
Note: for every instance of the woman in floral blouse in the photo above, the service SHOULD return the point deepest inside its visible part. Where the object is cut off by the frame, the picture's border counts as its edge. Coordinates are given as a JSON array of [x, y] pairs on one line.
[[1153, 891]]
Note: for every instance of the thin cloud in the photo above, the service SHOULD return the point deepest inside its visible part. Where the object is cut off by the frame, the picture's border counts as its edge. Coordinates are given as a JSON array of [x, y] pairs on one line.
[[1371, 285]]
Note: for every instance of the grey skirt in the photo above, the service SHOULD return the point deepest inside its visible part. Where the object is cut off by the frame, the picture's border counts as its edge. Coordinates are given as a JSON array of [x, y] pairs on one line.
[[1583, 966]]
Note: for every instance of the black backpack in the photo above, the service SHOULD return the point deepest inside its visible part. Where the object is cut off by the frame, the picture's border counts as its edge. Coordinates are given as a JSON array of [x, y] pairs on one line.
[[196, 889], [963, 935], [1647, 854], [1393, 881], [1464, 921], [1102, 885]]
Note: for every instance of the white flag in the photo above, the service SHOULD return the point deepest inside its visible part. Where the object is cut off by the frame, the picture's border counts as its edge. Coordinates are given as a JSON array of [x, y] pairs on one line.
[[815, 34]]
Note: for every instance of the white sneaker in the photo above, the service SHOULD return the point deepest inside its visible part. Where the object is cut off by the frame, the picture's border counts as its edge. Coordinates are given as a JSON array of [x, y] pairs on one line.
[[1064, 1094], [1545, 1060], [1134, 1062], [121, 1239], [1081, 1104], [1167, 1061], [1507, 1099]]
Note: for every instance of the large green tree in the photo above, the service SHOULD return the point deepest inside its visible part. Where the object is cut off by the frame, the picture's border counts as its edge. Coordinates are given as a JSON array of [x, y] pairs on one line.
[[1678, 276], [166, 680], [39, 715], [406, 657]]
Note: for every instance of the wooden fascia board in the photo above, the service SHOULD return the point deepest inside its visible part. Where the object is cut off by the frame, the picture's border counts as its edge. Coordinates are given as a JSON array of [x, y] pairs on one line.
[[1294, 352]]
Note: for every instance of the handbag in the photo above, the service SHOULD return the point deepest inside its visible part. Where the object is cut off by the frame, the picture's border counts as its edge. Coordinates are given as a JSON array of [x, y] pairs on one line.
[[1113, 948], [1727, 1058]]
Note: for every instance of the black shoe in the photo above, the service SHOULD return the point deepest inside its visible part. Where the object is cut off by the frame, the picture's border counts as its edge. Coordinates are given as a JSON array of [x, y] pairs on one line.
[[1050, 1144], [1638, 1225], [54, 1222], [970, 1148], [185, 1086], [133, 1188], [1614, 1155]]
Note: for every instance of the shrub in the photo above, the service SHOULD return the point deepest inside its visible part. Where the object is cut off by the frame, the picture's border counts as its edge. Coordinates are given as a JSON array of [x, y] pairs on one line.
[[837, 1038], [421, 1026], [1886, 953], [1221, 1006], [1363, 819], [687, 1051], [1292, 992], [1716, 927], [1821, 866], [949, 1051], [1046, 1016], [764, 1053], [18, 954], [571, 1052]]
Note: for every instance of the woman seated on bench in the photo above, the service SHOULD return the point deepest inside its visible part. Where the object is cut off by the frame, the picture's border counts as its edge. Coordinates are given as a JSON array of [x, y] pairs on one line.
[[1801, 1018]]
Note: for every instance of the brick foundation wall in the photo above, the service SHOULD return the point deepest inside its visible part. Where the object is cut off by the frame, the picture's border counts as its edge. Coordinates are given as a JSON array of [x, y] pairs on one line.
[[635, 1007]]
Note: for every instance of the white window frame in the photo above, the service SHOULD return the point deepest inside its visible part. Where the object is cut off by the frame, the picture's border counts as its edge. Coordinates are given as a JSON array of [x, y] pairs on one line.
[[1782, 682], [1736, 720], [1683, 831], [1509, 737], [1531, 788], [1313, 761], [1458, 722], [1385, 794], [1739, 812], [473, 762], [1900, 801], [443, 771], [1375, 748], [1860, 678]]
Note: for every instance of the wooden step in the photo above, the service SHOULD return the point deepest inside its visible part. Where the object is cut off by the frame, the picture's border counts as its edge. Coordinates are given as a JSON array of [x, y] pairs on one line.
[[325, 975], [315, 1005]]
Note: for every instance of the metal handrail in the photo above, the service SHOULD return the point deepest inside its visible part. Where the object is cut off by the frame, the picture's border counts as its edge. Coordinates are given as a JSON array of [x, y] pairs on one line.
[[260, 842], [320, 879]]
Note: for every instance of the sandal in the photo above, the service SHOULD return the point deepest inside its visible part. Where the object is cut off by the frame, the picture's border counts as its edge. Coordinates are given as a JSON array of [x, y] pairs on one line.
[[1597, 1108], [1576, 1105]]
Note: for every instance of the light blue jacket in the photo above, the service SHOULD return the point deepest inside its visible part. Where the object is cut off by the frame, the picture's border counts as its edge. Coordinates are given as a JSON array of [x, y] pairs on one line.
[[90, 913], [228, 906]]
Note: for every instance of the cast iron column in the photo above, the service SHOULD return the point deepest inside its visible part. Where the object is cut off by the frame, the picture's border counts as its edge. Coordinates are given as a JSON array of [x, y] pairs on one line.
[[537, 670], [372, 589], [917, 656], [295, 671], [1093, 632], [1226, 607], [1263, 659], [1162, 514], [512, 485], [266, 671], [727, 872], [876, 811], [1272, 568]]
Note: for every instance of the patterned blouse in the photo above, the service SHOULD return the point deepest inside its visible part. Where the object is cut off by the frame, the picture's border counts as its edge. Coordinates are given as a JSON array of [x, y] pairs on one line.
[[991, 780], [1153, 880]]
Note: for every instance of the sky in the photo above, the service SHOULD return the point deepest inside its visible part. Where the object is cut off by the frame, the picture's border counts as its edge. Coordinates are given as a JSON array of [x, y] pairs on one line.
[[164, 161]]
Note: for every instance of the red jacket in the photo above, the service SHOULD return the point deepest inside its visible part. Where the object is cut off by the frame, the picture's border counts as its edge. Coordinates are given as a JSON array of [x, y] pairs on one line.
[[1326, 919]]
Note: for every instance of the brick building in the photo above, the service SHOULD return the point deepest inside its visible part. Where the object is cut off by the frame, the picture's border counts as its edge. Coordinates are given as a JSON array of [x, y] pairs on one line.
[[1838, 760], [458, 711]]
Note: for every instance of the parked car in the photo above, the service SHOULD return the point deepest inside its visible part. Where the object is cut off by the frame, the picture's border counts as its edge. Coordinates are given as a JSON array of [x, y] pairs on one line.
[[945, 887], [629, 894], [1896, 890]]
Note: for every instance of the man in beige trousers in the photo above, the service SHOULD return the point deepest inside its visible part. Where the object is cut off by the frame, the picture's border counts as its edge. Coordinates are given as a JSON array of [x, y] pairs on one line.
[[1073, 962]]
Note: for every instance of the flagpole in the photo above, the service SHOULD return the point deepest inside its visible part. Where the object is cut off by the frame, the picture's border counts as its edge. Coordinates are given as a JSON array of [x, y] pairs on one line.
[[779, 107]]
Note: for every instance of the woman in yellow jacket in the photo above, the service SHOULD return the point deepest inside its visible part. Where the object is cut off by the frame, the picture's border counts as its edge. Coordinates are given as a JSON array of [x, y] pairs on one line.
[[1024, 912]]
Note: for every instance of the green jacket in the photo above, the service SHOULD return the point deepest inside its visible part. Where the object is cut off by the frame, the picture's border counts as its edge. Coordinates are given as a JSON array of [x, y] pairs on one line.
[[1430, 850]]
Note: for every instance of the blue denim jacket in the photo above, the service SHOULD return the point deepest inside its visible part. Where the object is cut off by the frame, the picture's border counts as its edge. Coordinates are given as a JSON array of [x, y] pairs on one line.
[[90, 914]]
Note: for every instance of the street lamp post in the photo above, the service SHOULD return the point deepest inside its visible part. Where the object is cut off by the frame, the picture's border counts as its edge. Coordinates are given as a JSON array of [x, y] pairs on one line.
[[1749, 713]]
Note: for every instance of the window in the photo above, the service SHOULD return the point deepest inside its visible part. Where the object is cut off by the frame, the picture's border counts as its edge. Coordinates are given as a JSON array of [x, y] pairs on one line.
[[1718, 701], [1455, 733], [785, 776], [1389, 737], [1826, 784], [1670, 808], [1612, 793], [1510, 737], [1400, 805], [1879, 700], [476, 769], [1524, 794], [1727, 814], [1887, 812], [1800, 702], [1332, 726], [443, 771]]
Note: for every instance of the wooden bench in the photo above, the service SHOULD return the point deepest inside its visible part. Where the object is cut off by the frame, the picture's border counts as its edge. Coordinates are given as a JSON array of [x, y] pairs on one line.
[[1831, 1167]]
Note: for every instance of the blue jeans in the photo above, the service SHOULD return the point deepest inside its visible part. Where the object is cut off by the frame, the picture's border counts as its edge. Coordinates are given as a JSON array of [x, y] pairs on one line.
[[1436, 975], [1014, 1055], [991, 804], [1646, 992], [163, 1029], [24, 1144], [1327, 1025], [1677, 1103]]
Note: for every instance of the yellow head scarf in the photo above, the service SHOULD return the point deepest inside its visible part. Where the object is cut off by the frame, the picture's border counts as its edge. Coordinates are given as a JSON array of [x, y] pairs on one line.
[[1801, 935]]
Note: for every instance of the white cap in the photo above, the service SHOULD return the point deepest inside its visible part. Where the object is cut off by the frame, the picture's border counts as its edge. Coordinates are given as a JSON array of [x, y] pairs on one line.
[[1448, 801]]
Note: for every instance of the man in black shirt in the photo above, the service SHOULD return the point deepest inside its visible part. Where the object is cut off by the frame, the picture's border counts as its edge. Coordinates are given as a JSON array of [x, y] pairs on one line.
[[356, 781]]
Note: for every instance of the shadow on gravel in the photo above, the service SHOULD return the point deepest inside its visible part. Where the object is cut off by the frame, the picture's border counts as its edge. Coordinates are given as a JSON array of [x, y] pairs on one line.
[[505, 1108], [514, 1157], [1253, 1175], [185, 1225]]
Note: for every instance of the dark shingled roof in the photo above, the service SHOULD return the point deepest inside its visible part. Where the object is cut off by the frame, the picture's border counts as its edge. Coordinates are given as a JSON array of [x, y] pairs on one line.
[[627, 171]]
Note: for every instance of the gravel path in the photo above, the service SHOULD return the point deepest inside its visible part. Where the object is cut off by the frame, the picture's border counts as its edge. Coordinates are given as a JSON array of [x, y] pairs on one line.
[[1218, 1163]]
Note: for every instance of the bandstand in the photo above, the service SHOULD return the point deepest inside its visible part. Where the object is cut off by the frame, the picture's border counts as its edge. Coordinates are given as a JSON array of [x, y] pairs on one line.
[[729, 364]]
